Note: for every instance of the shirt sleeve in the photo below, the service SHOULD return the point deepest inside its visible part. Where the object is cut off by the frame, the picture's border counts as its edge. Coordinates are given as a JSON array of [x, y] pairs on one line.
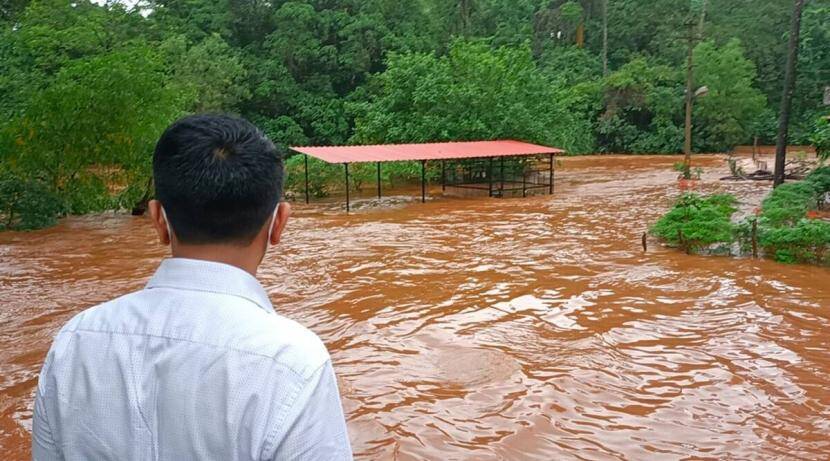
[[316, 427], [44, 447]]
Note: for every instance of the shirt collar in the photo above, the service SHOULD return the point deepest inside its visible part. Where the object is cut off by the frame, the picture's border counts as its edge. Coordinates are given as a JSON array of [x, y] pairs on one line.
[[214, 277]]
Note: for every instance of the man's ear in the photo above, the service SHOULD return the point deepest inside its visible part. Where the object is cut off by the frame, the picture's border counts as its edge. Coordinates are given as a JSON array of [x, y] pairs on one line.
[[280, 220], [159, 221]]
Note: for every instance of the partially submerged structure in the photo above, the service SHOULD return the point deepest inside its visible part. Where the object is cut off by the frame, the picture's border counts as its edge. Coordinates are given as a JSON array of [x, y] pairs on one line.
[[498, 168]]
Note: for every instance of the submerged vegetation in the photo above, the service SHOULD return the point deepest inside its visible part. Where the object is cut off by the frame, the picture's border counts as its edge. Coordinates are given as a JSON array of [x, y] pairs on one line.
[[788, 227], [86, 87], [696, 223]]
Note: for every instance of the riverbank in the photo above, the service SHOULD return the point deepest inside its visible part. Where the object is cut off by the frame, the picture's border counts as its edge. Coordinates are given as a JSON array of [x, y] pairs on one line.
[[497, 329]]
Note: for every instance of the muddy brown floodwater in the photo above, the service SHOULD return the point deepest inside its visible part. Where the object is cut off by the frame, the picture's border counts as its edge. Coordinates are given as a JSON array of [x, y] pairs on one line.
[[497, 329]]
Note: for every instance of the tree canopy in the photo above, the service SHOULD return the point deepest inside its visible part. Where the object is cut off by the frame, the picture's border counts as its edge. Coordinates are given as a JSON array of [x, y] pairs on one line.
[[85, 87]]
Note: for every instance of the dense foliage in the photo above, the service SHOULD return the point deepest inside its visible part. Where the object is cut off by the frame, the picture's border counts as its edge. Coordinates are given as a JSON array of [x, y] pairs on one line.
[[821, 138], [788, 228], [86, 87], [697, 223], [472, 92], [788, 231]]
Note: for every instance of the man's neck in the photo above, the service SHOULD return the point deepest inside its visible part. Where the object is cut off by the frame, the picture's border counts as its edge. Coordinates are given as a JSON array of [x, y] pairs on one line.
[[243, 258]]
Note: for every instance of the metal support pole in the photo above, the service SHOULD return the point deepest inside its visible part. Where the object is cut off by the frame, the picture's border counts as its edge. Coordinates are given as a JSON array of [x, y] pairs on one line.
[[306, 177], [551, 174], [755, 238], [501, 176], [524, 180], [490, 176], [346, 167], [423, 181], [378, 180], [443, 176]]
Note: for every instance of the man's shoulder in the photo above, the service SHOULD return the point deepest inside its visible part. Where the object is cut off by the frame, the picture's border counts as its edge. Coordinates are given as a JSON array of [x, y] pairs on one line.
[[94, 317], [285, 341], [222, 323]]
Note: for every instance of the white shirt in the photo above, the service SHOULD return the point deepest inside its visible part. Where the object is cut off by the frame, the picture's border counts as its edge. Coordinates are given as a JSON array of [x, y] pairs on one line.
[[197, 365]]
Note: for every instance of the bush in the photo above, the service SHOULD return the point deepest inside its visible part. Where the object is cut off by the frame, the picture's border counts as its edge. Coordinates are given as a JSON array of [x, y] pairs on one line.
[[783, 232], [788, 203], [786, 234], [695, 223], [807, 241], [87, 194], [27, 203], [820, 180], [821, 138]]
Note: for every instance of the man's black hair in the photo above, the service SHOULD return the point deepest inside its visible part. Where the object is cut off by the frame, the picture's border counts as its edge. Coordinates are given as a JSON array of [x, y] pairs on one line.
[[218, 178]]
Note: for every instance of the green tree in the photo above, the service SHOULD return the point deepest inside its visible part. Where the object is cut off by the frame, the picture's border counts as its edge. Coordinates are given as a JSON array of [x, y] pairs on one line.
[[733, 107], [334, 71], [474, 92], [210, 76], [196, 19], [48, 35], [813, 70], [785, 109], [96, 121], [761, 29], [642, 109], [570, 65]]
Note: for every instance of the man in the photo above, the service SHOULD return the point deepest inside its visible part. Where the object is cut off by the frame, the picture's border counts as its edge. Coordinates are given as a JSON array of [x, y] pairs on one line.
[[197, 365]]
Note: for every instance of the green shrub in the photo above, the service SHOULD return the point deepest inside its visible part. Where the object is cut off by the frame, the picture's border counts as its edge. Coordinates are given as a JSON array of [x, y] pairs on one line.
[[807, 241], [788, 203], [27, 203], [696, 223], [821, 138], [785, 234], [820, 179], [87, 194]]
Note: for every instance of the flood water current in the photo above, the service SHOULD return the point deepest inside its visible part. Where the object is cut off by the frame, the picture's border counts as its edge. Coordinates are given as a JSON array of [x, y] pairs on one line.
[[489, 329]]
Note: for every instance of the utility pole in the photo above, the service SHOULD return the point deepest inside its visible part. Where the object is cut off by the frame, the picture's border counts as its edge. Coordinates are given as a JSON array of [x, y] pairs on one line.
[[786, 97], [687, 131]]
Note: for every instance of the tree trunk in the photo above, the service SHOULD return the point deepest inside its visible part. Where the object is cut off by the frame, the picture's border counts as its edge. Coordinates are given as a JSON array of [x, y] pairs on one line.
[[140, 207], [604, 37], [786, 97]]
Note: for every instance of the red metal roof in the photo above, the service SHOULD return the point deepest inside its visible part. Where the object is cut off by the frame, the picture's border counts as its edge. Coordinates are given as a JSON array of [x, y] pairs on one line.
[[424, 151]]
